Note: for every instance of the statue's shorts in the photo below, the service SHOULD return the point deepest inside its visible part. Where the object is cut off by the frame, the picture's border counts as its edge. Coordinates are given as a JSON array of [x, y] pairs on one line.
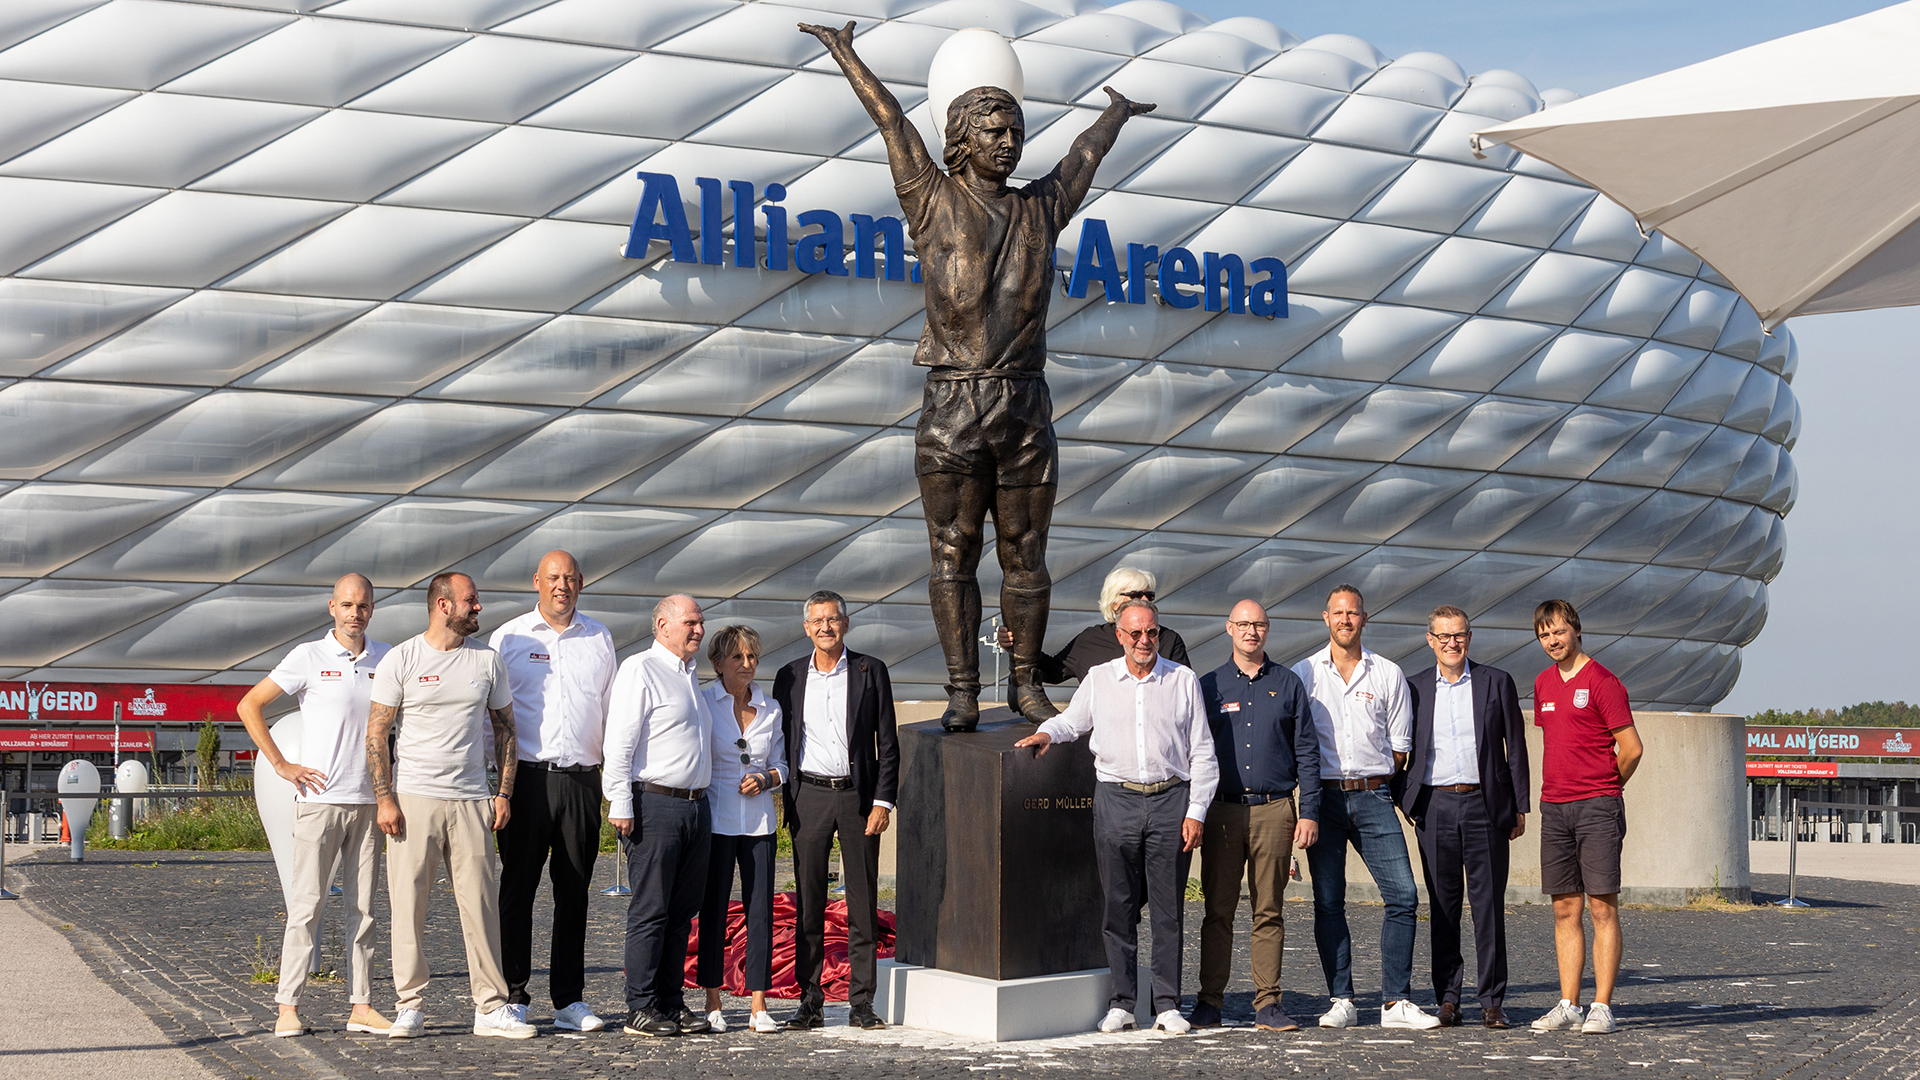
[[996, 424]]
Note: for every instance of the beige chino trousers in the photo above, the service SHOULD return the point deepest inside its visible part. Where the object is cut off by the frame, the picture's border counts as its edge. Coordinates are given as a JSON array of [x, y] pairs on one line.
[[325, 834], [1256, 841], [459, 833]]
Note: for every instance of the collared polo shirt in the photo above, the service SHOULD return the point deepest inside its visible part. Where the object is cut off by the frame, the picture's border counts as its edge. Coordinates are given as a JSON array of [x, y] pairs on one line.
[[561, 682], [1251, 717], [1456, 757], [1144, 730], [335, 688], [1362, 721]]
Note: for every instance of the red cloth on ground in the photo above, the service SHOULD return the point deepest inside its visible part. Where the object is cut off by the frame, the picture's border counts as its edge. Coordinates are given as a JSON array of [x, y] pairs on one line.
[[834, 971]]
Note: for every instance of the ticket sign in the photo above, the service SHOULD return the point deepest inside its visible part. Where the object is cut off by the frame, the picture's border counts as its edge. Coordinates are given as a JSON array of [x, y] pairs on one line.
[[142, 703], [1811, 769], [1832, 742], [69, 740]]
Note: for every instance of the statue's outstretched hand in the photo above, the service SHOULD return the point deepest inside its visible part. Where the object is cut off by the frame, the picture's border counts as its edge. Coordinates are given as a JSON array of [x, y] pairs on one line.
[[830, 37], [1134, 108]]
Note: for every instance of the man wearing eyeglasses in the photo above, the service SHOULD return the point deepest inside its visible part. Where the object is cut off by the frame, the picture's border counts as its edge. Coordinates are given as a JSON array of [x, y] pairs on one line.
[[1154, 758], [1466, 793], [1263, 736], [560, 664], [838, 710], [1365, 724]]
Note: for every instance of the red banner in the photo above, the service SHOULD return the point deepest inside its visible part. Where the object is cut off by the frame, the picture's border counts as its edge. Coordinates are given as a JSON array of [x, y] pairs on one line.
[[1793, 768], [140, 703], [69, 739], [1831, 742]]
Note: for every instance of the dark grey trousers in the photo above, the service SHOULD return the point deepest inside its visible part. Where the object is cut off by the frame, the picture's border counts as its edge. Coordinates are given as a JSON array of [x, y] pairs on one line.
[[1456, 842], [1137, 845], [667, 869], [819, 813]]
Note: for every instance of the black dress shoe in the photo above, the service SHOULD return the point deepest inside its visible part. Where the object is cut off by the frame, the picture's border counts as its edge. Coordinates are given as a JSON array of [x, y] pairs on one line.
[[1492, 1017], [1031, 702], [650, 1023], [692, 1023], [805, 1018], [1449, 1014], [863, 1017], [963, 710], [1204, 1015]]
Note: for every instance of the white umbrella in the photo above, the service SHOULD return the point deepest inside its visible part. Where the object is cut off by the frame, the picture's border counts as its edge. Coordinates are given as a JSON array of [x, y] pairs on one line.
[[1792, 167]]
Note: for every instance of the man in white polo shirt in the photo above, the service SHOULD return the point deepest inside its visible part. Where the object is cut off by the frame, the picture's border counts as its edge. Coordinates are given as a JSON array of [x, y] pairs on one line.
[[560, 664], [1364, 716], [333, 815], [438, 694]]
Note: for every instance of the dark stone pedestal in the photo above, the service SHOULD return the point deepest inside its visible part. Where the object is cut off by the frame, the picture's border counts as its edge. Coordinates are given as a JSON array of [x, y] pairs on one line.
[[996, 874]]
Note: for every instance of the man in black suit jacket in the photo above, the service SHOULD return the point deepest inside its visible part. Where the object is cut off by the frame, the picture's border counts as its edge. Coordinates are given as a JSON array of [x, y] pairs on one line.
[[837, 706], [1465, 789]]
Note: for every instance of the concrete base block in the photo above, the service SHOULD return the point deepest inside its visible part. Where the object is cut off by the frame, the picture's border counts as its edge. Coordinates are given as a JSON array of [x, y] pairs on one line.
[[1043, 1007]]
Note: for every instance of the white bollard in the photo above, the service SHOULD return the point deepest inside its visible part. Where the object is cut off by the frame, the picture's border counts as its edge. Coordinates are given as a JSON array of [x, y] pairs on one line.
[[79, 777], [130, 777]]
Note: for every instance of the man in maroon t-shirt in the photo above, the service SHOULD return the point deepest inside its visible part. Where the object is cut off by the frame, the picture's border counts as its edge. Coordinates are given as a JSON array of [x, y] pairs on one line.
[[1591, 750]]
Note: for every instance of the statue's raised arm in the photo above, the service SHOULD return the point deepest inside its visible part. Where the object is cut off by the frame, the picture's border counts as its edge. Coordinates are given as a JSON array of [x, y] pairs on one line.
[[906, 153], [1084, 156]]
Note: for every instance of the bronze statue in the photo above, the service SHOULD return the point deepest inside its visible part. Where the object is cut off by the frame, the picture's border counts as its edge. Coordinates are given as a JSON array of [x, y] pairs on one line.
[[985, 441]]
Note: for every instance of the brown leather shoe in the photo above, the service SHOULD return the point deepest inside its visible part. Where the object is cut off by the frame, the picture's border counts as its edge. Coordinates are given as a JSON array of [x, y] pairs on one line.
[[1492, 1017], [1449, 1014]]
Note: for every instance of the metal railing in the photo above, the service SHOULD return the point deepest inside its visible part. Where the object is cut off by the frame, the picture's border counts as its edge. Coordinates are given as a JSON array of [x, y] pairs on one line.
[[108, 795], [1793, 836]]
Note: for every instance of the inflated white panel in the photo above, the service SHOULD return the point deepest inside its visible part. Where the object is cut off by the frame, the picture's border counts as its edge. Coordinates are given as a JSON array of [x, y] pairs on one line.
[[1407, 79], [1382, 123], [210, 338], [873, 478], [395, 349], [217, 439], [465, 14], [48, 525], [1178, 90], [317, 62], [373, 252], [1570, 367], [1274, 414], [45, 215], [1214, 164], [497, 79], [729, 555], [602, 537], [736, 464], [1383, 425], [1375, 343], [1140, 141], [572, 457], [1262, 344], [32, 112], [1329, 181], [48, 320], [568, 361], [1650, 379], [135, 44], [1136, 410], [164, 139], [547, 266], [1529, 211], [525, 170], [1358, 260], [1106, 33], [1556, 288], [224, 535], [433, 532], [1317, 67], [1635, 303], [616, 22], [1699, 317], [1476, 356], [348, 155], [1662, 253], [730, 372], [402, 447], [1569, 522], [47, 619], [1481, 514], [1577, 445], [1460, 274], [1653, 455], [1149, 490], [1286, 108], [807, 112], [756, 33], [680, 292], [217, 630], [1379, 506], [1606, 231], [186, 238], [1272, 497], [877, 382], [1212, 49]]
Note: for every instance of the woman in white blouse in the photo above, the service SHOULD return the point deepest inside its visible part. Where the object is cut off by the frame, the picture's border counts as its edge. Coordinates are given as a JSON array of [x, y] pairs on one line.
[[749, 762]]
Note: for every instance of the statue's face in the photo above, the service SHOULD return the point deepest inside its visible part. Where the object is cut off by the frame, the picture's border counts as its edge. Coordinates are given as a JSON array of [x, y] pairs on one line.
[[993, 147]]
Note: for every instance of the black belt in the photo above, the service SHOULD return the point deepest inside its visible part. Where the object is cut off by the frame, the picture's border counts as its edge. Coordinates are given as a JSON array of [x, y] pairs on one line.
[[689, 794], [1251, 799], [548, 766], [831, 783], [1457, 789]]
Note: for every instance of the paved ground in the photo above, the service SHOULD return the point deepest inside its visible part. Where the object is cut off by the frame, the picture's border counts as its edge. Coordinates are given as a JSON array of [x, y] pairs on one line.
[[1753, 992], [1898, 863]]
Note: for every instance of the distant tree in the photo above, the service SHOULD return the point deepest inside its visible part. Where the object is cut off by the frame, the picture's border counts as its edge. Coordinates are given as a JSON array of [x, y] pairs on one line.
[[1896, 714], [207, 751]]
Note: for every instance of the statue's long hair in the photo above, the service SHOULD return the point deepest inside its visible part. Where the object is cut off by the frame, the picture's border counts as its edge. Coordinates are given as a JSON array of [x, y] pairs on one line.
[[967, 112]]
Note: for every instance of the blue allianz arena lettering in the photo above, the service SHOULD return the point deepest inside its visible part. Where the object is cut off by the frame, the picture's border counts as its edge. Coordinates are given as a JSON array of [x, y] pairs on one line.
[[1220, 279]]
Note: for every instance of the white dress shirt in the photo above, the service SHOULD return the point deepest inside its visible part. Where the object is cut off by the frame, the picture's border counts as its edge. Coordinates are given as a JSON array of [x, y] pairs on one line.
[[658, 729], [1144, 730], [335, 687], [1456, 756], [826, 751], [561, 680], [735, 814], [1361, 721]]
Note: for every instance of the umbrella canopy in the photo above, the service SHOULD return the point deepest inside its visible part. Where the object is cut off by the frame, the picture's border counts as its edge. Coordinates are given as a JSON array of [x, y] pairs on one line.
[[1792, 167]]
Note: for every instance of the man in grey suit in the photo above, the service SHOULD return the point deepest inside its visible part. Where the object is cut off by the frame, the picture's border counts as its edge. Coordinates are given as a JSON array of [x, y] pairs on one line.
[[1465, 789]]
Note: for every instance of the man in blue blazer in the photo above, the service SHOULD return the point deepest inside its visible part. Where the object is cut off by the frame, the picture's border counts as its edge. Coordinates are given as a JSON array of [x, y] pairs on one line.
[[1465, 790]]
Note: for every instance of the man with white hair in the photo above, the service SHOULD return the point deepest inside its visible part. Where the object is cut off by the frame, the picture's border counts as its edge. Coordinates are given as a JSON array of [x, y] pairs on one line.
[[659, 762], [1097, 644]]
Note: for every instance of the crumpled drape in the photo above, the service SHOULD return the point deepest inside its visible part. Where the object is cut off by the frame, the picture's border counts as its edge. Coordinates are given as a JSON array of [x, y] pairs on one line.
[[834, 971]]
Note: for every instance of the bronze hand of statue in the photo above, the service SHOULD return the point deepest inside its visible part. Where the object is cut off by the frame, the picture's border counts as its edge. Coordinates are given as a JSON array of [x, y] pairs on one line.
[[1134, 108], [831, 38]]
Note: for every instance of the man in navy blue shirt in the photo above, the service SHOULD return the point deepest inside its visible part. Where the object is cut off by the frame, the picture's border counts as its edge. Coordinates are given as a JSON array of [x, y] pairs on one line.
[[1264, 736]]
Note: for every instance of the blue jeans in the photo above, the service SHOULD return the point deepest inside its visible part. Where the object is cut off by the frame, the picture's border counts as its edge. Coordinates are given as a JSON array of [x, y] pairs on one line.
[[1368, 821]]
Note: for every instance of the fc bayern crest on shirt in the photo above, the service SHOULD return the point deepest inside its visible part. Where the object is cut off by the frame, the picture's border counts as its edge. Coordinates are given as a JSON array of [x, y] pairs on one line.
[[1580, 699]]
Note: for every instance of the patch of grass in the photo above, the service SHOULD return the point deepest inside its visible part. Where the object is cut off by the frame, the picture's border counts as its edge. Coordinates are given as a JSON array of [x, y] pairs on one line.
[[1194, 891], [265, 971], [1715, 901], [198, 825]]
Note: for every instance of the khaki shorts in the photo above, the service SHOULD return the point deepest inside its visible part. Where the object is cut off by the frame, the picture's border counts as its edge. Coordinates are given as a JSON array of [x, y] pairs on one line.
[[1580, 845]]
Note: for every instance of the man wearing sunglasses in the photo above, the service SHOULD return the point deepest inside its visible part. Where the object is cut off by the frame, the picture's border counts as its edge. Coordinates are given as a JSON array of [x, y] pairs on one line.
[[1466, 793]]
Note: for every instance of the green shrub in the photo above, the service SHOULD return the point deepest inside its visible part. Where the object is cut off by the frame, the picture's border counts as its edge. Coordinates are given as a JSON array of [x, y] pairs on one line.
[[198, 825]]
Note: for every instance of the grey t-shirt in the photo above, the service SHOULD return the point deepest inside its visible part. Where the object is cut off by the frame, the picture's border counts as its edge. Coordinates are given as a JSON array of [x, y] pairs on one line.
[[440, 750]]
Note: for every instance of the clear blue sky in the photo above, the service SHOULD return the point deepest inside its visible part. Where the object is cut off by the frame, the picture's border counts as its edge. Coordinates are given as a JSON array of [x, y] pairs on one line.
[[1836, 631]]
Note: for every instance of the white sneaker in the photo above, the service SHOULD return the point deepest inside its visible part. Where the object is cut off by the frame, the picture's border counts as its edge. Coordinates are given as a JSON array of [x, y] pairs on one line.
[[408, 1024], [1405, 1014], [763, 1023], [577, 1017], [501, 1025], [717, 1020], [1172, 1023], [1116, 1020], [1599, 1019], [1564, 1017], [518, 1012], [1343, 1014]]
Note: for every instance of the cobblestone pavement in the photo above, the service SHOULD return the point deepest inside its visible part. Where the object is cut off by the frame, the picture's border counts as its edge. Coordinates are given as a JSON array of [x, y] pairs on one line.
[[1746, 992]]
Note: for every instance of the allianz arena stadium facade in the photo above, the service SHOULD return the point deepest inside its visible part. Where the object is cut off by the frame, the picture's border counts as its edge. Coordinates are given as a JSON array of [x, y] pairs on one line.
[[298, 287]]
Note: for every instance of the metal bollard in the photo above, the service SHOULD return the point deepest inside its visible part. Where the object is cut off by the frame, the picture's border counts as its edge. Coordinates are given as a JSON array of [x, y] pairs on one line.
[[6, 804], [619, 887], [1793, 858]]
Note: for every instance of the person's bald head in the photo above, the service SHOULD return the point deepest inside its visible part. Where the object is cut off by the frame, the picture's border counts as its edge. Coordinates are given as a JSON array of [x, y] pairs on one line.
[[351, 608], [1247, 628], [558, 581], [678, 625]]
